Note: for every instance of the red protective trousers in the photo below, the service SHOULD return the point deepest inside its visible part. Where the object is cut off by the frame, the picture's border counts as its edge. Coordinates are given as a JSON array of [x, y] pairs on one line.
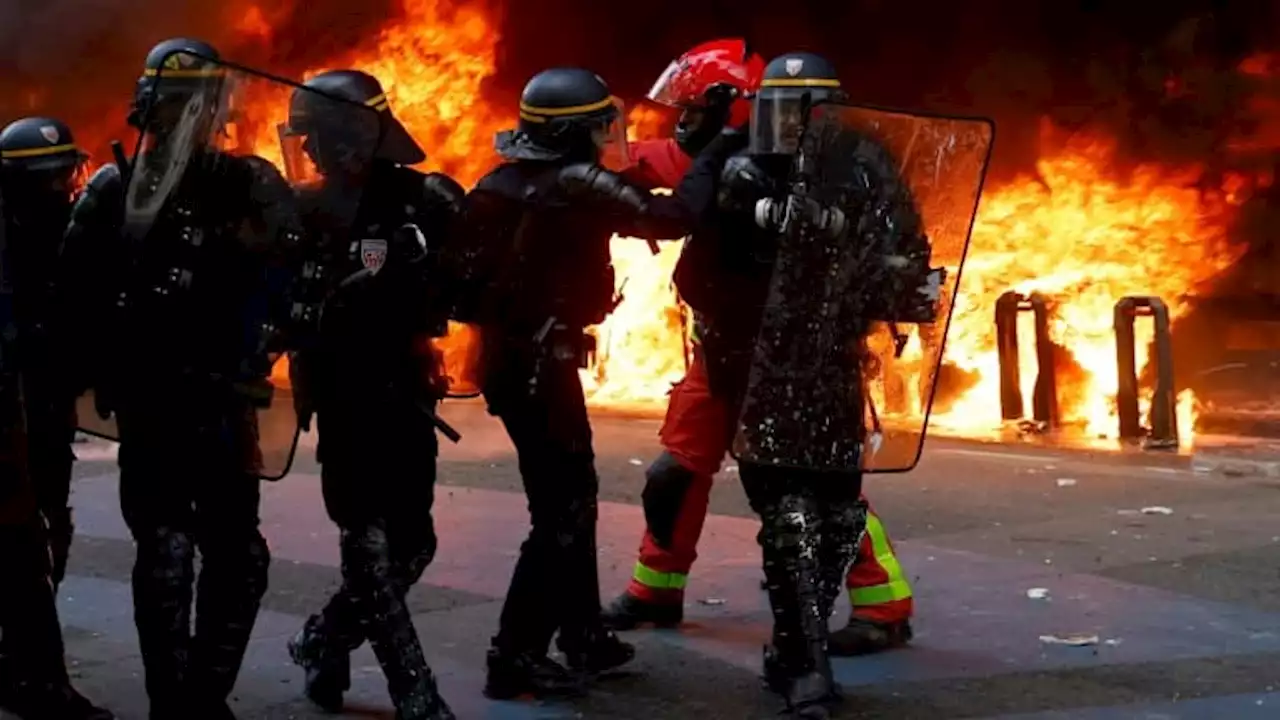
[[697, 433]]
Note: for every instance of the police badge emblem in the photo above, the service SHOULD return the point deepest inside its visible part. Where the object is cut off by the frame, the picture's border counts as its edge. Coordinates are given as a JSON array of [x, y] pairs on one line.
[[50, 133], [794, 66], [373, 254]]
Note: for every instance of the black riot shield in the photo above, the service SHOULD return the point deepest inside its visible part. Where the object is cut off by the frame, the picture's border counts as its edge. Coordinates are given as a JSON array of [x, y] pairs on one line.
[[218, 251], [871, 245]]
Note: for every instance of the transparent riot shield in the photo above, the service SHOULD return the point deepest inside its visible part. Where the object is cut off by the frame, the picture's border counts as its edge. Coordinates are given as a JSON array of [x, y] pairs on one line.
[[234, 173], [852, 332]]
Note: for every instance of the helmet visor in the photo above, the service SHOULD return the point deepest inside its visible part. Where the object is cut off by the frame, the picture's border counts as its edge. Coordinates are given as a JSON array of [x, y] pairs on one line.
[[609, 134], [673, 88], [299, 168], [778, 121], [341, 145]]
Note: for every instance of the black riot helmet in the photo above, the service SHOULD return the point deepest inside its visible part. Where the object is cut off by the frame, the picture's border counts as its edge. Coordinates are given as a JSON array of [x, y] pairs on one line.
[[567, 115], [339, 120], [792, 83], [176, 71], [40, 154]]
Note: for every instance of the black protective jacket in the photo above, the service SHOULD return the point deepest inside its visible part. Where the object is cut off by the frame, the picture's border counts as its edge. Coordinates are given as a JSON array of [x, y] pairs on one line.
[[382, 295]]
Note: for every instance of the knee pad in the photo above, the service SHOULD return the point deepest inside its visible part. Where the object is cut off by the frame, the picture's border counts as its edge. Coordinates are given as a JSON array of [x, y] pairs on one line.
[[168, 555], [847, 521], [790, 529], [366, 557], [667, 482], [580, 521]]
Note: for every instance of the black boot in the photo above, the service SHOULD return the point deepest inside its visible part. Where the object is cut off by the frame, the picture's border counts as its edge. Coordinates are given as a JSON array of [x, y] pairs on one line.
[[810, 696], [627, 612], [512, 674], [327, 677], [599, 652], [864, 637]]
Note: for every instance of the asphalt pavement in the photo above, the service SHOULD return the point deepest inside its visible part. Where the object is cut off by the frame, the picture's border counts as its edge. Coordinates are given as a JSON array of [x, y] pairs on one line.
[[1049, 584]]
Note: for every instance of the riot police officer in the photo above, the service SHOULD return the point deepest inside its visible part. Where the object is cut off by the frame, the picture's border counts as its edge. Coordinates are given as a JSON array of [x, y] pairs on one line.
[[33, 680], [369, 373], [39, 162], [193, 322], [33, 673], [537, 245], [804, 569]]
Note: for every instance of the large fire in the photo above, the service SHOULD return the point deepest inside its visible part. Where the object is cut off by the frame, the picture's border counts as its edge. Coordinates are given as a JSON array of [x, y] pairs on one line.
[[1081, 231]]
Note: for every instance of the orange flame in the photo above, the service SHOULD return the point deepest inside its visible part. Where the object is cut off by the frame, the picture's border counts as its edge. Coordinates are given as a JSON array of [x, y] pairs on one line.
[[1079, 231]]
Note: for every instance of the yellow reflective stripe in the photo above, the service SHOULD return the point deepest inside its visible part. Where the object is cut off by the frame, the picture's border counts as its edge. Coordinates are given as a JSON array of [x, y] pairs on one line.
[[38, 152], [651, 578], [800, 82], [897, 588], [552, 112], [375, 99], [532, 118], [198, 73], [880, 594]]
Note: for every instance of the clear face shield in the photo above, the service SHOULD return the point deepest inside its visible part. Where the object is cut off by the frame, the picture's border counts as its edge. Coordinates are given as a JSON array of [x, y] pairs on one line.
[[778, 120], [339, 145], [182, 118], [609, 134], [670, 88]]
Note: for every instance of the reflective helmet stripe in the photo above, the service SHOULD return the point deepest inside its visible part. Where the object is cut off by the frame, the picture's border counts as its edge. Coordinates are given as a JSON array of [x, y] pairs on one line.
[[574, 110], [800, 82], [37, 152], [378, 102], [196, 73]]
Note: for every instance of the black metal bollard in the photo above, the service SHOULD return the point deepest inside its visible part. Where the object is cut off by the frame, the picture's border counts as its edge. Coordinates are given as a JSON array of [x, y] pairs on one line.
[[1044, 403], [1164, 415]]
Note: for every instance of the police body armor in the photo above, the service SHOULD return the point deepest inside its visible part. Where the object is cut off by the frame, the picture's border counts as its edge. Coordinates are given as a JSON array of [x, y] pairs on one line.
[[210, 236], [379, 289], [558, 265]]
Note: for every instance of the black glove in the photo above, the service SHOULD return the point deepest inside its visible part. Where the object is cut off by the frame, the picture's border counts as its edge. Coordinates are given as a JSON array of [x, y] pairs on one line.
[[408, 245], [302, 403]]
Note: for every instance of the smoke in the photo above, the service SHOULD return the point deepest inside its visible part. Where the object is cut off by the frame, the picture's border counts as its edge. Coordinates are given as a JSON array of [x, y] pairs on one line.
[[1160, 77], [79, 59]]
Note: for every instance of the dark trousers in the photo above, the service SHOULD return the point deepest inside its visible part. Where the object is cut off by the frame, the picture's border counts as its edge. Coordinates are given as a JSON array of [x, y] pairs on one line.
[[33, 651], [811, 524], [50, 429], [187, 484], [378, 478], [556, 584]]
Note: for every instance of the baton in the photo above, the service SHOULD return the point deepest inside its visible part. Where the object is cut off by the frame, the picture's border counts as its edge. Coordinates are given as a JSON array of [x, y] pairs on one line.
[[122, 160], [445, 428]]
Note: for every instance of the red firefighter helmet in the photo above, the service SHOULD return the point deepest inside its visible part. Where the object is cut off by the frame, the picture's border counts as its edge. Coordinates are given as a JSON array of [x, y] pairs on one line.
[[704, 74]]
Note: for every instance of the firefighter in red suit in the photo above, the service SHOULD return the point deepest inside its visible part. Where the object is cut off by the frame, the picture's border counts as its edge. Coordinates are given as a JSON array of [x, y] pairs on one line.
[[709, 84]]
